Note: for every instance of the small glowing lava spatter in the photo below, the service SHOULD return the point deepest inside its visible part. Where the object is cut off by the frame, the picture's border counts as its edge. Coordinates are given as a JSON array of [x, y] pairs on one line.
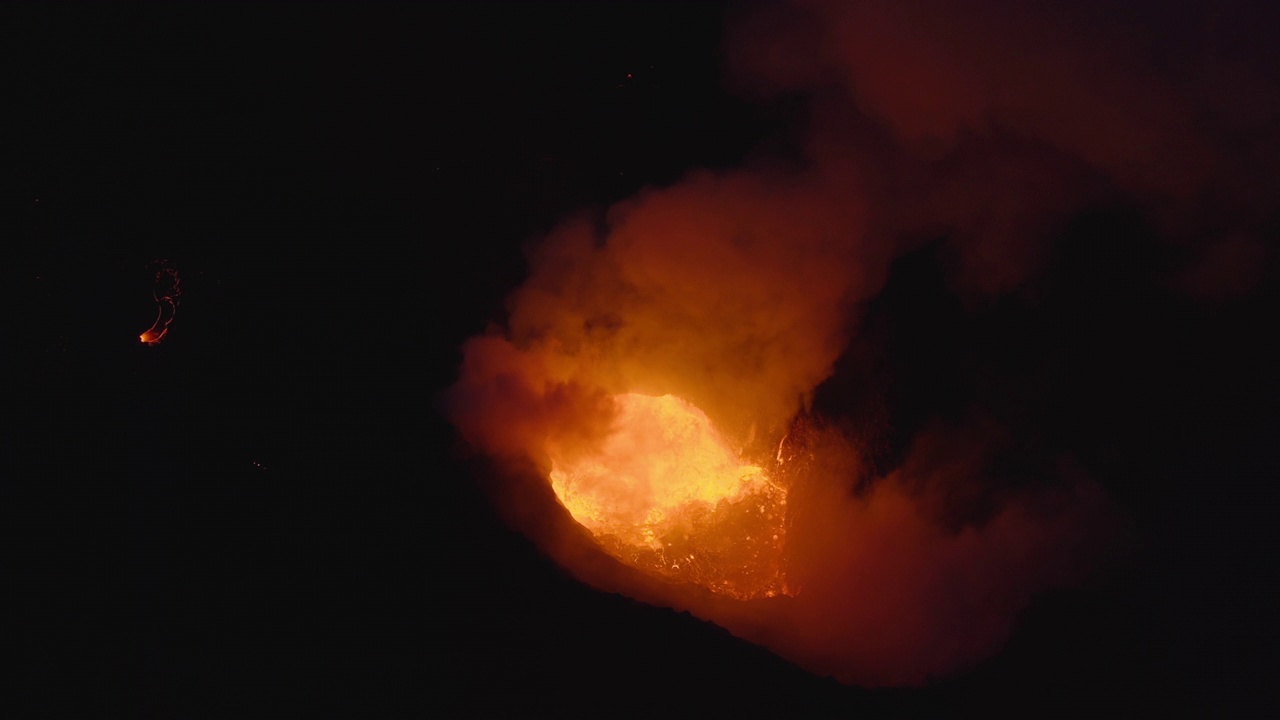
[[666, 494], [167, 291]]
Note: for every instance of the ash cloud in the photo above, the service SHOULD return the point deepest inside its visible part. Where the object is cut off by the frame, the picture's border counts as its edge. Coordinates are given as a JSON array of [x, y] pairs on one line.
[[978, 135]]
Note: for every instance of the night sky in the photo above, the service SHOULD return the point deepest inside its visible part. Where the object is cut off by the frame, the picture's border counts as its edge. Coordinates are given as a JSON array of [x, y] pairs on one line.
[[270, 514]]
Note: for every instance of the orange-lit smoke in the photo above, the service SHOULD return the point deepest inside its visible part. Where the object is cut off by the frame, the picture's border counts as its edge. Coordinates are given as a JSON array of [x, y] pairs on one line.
[[735, 293], [992, 121], [167, 291]]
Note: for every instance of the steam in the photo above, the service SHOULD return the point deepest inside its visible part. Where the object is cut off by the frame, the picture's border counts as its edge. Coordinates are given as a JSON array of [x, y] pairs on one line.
[[988, 125]]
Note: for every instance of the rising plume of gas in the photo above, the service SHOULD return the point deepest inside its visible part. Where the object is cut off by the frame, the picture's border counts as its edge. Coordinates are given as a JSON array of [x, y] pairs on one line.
[[995, 121], [739, 290]]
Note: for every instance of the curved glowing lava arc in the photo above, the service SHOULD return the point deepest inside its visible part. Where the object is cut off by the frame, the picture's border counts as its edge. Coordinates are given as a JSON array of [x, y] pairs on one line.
[[168, 288], [667, 494]]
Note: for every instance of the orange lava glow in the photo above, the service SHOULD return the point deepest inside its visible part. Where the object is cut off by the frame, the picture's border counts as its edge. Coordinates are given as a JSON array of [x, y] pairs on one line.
[[168, 289], [666, 493]]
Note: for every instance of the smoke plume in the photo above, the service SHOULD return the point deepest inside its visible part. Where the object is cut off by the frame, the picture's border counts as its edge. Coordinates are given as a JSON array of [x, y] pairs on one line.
[[983, 128]]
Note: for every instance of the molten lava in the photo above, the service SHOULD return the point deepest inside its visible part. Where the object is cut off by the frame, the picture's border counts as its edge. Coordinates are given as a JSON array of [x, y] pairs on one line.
[[667, 494], [167, 291]]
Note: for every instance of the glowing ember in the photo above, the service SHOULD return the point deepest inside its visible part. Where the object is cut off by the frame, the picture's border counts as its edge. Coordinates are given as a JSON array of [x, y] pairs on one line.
[[167, 291], [666, 494]]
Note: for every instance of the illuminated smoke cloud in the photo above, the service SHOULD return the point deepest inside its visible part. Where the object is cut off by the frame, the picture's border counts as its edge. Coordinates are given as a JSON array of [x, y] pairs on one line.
[[993, 121], [986, 125]]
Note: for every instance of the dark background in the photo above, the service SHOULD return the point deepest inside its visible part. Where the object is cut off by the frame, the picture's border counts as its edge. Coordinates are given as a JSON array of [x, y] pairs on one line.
[[268, 514]]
